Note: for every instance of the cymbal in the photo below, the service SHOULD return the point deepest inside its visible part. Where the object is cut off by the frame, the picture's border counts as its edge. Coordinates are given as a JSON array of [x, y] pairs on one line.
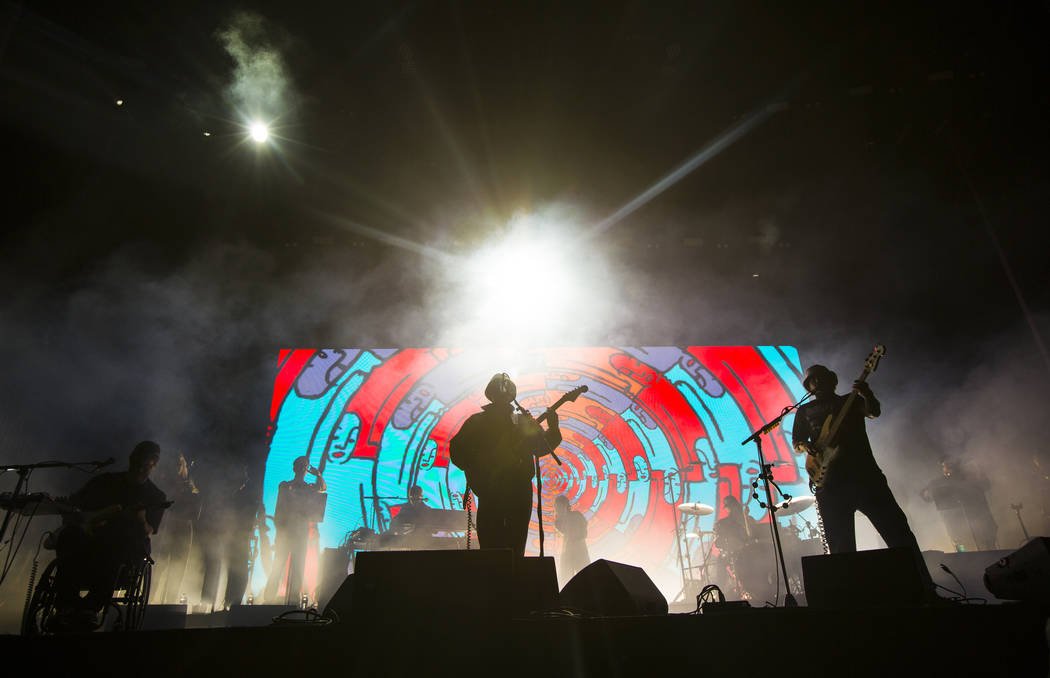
[[694, 509], [797, 505]]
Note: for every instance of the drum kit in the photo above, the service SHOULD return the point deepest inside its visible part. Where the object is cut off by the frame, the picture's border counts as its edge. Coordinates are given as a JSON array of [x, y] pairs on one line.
[[747, 568]]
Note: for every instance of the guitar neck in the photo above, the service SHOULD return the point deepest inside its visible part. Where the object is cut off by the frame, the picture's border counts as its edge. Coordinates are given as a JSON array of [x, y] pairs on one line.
[[833, 433], [546, 413]]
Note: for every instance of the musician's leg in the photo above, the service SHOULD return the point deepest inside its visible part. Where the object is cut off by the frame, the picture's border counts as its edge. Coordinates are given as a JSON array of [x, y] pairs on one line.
[[876, 501], [518, 516], [72, 551], [109, 555], [879, 505], [296, 568], [491, 521], [237, 552], [277, 567], [837, 515]]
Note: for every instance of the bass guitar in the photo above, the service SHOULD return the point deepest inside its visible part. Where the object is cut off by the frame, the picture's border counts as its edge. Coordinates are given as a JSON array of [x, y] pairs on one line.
[[825, 450]]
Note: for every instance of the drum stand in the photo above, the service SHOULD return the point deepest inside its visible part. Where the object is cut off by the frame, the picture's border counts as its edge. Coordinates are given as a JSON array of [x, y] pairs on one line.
[[767, 477]]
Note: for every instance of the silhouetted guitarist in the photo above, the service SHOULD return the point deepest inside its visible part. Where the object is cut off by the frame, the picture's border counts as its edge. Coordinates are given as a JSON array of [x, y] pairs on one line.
[[495, 448], [855, 482]]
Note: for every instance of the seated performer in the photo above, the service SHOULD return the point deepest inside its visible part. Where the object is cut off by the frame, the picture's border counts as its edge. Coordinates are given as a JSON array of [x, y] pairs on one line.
[[743, 544], [496, 449], [736, 529], [409, 514], [573, 528], [300, 505], [119, 513]]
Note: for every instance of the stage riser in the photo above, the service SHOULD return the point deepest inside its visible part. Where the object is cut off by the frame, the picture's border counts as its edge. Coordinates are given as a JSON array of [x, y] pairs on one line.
[[1000, 640]]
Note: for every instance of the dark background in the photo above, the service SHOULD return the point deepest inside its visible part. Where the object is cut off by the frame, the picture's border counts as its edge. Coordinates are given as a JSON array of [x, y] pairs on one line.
[[891, 190]]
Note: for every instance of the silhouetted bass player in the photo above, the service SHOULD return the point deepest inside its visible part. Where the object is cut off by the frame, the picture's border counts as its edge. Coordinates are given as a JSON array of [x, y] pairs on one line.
[[496, 449]]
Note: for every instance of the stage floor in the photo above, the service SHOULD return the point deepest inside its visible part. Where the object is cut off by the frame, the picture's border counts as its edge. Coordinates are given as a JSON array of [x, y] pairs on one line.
[[995, 640]]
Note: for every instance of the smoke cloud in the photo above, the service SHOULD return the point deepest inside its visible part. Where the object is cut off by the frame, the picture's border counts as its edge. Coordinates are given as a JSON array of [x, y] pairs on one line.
[[260, 86]]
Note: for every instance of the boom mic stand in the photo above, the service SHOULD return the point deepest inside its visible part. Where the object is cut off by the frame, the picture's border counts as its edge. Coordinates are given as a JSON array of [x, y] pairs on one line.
[[767, 477], [536, 467]]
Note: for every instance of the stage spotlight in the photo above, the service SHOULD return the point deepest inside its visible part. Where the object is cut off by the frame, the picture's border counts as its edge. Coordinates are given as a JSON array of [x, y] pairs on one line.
[[523, 285], [258, 132]]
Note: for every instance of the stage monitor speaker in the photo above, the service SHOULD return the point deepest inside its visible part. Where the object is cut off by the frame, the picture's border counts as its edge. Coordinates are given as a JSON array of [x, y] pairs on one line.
[[535, 586], [877, 578], [1023, 574], [398, 587], [613, 589], [334, 565]]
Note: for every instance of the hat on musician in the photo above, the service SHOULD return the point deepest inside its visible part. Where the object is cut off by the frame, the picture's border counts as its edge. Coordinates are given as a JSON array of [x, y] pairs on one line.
[[501, 388], [819, 372]]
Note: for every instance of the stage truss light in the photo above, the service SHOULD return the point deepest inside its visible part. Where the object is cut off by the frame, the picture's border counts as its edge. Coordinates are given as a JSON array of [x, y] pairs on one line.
[[258, 132]]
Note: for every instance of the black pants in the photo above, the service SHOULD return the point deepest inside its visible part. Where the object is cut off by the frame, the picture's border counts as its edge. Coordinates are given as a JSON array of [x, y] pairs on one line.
[[289, 548], [237, 552], [870, 494], [503, 517], [92, 563]]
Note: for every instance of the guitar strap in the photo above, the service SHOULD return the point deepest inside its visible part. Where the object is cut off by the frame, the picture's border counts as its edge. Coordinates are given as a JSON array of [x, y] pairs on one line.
[[820, 525], [467, 503]]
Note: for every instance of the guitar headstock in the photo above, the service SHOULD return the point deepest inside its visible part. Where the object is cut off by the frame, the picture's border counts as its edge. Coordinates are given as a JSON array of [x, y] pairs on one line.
[[873, 359], [575, 393]]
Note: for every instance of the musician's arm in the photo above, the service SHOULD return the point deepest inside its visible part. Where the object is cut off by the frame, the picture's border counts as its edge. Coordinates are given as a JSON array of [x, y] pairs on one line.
[[147, 528], [553, 432], [800, 436], [872, 407], [320, 485]]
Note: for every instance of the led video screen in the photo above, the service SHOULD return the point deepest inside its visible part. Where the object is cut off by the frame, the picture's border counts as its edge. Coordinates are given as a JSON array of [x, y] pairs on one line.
[[658, 426]]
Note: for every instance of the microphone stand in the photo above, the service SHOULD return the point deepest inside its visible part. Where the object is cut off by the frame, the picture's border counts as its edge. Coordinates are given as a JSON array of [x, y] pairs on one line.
[[767, 477], [536, 461]]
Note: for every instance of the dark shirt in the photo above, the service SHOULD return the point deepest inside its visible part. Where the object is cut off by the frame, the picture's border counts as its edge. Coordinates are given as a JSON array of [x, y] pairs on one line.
[[409, 514], [572, 525], [961, 490], [855, 459], [493, 451], [298, 504], [108, 489], [732, 533]]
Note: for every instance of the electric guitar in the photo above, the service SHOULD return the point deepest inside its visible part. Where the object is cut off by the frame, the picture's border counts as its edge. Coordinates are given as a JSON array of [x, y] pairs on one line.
[[825, 450], [92, 521], [480, 473]]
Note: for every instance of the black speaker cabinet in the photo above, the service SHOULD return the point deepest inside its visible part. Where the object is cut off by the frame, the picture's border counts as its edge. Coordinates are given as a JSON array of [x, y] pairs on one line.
[[613, 589], [397, 586], [424, 585], [877, 578], [334, 565], [1023, 574], [535, 585]]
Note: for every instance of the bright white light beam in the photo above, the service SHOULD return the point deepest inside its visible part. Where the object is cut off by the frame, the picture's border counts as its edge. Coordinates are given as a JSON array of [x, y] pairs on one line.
[[259, 132]]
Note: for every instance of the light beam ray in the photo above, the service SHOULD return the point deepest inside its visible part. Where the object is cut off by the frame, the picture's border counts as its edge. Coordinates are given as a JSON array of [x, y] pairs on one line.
[[720, 143], [388, 238]]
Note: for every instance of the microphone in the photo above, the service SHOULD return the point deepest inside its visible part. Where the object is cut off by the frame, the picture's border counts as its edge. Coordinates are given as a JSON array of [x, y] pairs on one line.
[[102, 464]]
